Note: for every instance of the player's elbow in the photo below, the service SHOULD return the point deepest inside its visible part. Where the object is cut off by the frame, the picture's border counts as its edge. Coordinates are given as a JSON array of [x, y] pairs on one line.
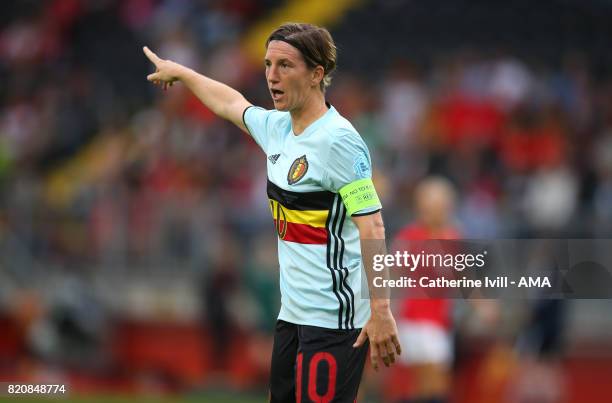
[[371, 227], [378, 229]]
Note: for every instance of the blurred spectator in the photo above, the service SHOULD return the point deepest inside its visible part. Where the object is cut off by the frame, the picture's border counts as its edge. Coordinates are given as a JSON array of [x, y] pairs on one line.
[[424, 325], [217, 289]]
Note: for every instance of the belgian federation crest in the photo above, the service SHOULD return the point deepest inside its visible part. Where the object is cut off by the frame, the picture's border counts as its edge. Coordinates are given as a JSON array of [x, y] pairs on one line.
[[297, 170]]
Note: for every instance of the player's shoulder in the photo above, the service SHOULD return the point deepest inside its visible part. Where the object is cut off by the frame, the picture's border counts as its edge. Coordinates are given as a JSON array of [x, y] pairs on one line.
[[272, 117], [280, 118], [339, 128]]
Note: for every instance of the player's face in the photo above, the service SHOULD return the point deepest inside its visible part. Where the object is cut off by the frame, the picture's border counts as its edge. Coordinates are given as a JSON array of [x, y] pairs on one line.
[[289, 78]]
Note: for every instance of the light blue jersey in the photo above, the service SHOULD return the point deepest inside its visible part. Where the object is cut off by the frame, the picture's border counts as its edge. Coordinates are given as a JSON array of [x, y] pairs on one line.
[[318, 243]]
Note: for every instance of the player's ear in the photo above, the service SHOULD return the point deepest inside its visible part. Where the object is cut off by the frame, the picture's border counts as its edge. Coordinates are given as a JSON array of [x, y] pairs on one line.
[[317, 75]]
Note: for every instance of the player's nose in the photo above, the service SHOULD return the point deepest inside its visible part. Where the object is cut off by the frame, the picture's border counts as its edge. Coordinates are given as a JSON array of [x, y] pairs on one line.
[[272, 75]]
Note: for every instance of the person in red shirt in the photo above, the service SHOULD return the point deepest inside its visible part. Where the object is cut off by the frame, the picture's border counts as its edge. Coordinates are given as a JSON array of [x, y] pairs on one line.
[[425, 324]]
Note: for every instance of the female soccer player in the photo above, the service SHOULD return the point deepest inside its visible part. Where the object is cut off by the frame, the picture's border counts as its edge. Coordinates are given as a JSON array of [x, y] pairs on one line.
[[324, 205]]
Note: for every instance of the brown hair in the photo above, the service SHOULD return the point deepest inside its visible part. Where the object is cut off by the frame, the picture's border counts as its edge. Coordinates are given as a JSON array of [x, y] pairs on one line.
[[314, 43]]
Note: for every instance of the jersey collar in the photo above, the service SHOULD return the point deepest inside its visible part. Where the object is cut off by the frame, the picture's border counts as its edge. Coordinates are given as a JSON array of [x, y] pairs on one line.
[[317, 123]]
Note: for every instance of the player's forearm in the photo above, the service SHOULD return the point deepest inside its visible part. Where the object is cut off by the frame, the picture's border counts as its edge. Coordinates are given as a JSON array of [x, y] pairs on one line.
[[379, 297], [372, 240], [220, 98]]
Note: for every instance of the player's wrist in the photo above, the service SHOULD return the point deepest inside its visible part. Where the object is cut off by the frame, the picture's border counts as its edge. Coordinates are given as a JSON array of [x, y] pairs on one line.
[[380, 305], [180, 72]]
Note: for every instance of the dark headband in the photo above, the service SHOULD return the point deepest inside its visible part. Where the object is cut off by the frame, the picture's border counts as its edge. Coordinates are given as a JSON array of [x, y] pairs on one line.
[[295, 44]]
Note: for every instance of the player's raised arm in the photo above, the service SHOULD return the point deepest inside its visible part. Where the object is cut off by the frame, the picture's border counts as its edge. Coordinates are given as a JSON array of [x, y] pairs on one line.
[[223, 100]]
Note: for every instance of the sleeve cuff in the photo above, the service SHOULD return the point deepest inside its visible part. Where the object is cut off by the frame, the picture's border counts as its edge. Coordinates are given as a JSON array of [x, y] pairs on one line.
[[366, 213]]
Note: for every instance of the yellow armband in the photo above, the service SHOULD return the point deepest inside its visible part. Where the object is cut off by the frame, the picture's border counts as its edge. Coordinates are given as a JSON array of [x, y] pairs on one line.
[[359, 195]]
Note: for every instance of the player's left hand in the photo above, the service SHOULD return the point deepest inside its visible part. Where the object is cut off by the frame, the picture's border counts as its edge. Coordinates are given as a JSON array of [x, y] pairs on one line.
[[381, 330]]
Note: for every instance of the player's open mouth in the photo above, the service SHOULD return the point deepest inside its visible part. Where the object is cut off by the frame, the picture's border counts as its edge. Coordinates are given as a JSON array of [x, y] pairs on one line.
[[276, 94]]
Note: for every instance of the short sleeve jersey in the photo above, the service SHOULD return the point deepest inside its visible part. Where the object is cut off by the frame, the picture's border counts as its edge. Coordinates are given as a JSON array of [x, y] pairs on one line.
[[318, 243]]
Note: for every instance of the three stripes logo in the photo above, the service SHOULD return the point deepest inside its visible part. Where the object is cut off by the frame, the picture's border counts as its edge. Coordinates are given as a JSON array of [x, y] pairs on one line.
[[273, 158], [339, 272]]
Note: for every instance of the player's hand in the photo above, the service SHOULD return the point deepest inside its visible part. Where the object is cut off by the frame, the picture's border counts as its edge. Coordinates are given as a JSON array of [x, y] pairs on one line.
[[381, 330], [166, 71]]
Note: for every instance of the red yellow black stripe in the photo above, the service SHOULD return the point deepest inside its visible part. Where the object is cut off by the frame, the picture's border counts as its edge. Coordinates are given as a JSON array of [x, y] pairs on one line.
[[306, 227], [300, 216], [301, 233], [320, 200]]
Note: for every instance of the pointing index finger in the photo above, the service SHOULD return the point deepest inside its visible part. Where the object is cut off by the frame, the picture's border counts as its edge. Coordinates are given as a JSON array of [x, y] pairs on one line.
[[152, 56]]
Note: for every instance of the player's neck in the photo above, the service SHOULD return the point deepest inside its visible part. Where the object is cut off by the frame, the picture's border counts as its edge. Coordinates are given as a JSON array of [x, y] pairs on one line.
[[312, 110]]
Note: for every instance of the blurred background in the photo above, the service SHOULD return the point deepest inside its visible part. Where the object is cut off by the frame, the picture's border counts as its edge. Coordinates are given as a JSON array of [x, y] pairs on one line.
[[138, 257]]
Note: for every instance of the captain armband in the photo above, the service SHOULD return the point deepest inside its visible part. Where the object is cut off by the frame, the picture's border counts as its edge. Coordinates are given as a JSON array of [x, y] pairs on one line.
[[359, 195]]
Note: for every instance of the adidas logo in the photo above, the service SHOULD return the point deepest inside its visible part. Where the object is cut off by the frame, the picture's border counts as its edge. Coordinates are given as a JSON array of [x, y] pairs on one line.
[[273, 158]]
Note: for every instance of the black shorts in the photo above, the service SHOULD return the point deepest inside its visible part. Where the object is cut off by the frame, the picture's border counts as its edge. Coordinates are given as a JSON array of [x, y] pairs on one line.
[[314, 364]]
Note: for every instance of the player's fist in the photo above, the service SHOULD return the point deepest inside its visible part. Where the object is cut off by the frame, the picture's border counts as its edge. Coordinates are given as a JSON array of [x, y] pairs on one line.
[[166, 71]]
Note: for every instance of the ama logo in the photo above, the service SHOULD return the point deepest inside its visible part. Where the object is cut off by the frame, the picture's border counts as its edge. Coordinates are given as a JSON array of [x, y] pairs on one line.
[[534, 282]]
